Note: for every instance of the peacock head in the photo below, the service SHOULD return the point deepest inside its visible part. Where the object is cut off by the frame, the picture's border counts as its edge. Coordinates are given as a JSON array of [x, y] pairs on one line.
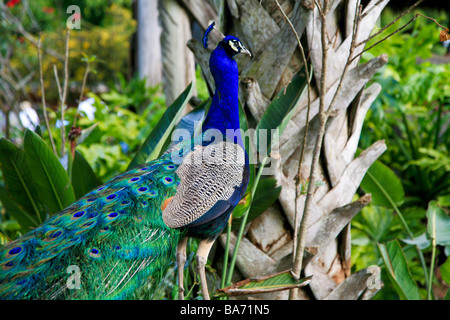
[[231, 44]]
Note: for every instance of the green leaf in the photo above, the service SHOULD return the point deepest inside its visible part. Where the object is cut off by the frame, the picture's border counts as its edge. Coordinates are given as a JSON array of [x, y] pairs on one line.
[[153, 145], [23, 217], [385, 187], [447, 295], [19, 182], [445, 271], [422, 241], [397, 269], [248, 144], [444, 200], [52, 181], [279, 112], [266, 194], [438, 226], [83, 177], [3, 238], [276, 282]]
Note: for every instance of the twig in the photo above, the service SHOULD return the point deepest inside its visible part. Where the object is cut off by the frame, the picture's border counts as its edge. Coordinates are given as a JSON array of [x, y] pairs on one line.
[[58, 84], [389, 24], [75, 132], [297, 177], [297, 267], [44, 107], [319, 8], [396, 31], [388, 36], [83, 84], [356, 22], [64, 94], [20, 28], [432, 19]]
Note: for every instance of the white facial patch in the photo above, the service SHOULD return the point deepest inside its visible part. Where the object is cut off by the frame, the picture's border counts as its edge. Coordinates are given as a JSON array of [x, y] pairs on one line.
[[231, 43]]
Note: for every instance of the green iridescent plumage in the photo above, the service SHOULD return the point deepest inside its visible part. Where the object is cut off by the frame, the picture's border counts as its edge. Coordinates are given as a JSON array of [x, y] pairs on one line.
[[116, 240], [114, 236]]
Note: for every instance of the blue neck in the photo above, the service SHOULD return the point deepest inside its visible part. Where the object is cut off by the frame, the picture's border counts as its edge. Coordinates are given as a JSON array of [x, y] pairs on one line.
[[224, 111]]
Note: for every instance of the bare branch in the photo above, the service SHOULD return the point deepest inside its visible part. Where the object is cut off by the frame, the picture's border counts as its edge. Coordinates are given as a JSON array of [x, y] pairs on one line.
[[308, 77], [64, 93], [389, 24], [297, 267], [44, 107]]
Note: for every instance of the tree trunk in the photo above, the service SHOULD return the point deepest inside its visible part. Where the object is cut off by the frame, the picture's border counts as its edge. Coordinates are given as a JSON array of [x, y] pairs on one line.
[[178, 61], [261, 26], [149, 63]]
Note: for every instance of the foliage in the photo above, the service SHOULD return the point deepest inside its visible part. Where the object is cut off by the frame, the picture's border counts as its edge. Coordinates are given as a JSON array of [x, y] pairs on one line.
[[411, 114], [106, 30]]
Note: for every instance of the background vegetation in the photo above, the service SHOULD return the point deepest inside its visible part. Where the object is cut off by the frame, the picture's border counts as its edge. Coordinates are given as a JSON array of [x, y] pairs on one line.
[[410, 183]]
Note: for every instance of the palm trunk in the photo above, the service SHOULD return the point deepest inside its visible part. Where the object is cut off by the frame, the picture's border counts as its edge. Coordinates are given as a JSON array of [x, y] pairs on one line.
[[149, 63], [260, 25]]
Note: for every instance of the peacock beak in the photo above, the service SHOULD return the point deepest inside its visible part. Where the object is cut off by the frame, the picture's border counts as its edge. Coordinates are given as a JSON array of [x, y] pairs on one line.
[[246, 51]]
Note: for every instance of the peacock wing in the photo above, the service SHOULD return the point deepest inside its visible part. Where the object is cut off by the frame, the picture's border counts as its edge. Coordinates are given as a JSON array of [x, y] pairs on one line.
[[210, 179]]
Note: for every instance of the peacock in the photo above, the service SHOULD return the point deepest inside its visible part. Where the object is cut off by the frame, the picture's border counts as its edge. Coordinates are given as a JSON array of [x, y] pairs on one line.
[[120, 238]]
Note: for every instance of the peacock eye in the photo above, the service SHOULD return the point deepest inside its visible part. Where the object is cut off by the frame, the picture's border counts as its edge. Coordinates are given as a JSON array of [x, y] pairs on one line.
[[232, 44]]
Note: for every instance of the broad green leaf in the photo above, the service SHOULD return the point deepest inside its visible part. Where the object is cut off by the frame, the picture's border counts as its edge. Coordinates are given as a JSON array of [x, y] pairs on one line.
[[444, 200], [243, 205], [422, 241], [397, 269], [248, 144], [376, 221], [52, 181], [83, 177], [279, 112], [385, 187], [265, 195], [438, 226], [152, 147], [447, 295], [22, 216], [445, 271], [276, 282], [19, 182], [193, 120], [3, 239]]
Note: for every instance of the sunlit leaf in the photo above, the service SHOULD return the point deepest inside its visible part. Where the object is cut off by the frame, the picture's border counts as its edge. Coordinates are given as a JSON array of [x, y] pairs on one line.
[[52, 181], [386, 188], [438, 226], [19, 182], [445, 271], [397, 269], [272, 283], [83, 177]]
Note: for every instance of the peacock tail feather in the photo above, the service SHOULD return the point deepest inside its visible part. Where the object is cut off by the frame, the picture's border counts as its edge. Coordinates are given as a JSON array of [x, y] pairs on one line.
[[104, 246], [117, 241]]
